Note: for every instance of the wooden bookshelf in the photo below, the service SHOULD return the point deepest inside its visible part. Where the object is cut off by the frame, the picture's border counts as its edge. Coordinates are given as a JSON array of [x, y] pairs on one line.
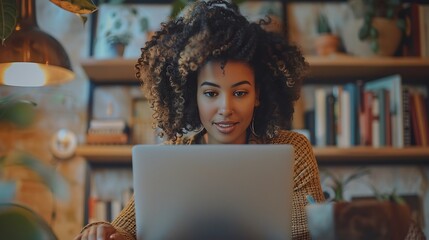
[[385, 155], [388, 155], [337, 67]]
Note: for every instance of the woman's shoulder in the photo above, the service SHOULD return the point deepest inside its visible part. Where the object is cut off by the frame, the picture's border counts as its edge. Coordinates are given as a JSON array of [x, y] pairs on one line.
[[289, 137]]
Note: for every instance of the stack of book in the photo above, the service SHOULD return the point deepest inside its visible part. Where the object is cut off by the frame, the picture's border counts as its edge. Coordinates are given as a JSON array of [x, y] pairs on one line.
[[107, 131]]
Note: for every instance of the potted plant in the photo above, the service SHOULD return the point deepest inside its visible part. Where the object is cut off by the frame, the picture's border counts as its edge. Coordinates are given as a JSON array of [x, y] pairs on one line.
[[384, 216], [18, 221], [326, 42], [377, 26]]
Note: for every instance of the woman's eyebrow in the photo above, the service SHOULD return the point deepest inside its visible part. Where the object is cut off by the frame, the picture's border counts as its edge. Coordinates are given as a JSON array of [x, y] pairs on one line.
[[241, 83], [209, 84], [233, 85]]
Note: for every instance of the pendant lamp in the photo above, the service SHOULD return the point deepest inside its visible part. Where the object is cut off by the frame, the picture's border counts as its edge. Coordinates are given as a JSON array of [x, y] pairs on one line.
[[30, 57]]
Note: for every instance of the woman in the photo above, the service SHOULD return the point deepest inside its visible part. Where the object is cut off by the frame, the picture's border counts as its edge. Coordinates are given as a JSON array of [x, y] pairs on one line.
[[215, 73]]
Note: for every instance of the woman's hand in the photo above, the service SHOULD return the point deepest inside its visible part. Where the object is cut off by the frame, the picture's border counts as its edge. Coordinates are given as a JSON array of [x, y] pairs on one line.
[[100, 231]]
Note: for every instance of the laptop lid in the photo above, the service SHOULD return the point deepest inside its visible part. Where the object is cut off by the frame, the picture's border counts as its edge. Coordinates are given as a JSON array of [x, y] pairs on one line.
[[213, 191]]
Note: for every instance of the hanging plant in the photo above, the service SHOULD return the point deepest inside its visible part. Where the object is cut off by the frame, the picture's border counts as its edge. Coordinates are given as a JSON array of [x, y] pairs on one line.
[[9, 13]]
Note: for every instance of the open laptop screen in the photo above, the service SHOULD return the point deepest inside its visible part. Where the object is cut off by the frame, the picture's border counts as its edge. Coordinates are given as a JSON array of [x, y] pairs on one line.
[[213, 191]]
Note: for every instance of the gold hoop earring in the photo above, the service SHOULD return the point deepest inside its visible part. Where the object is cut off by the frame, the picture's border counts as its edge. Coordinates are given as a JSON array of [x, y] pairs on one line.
[[252, 126], [199, 130]]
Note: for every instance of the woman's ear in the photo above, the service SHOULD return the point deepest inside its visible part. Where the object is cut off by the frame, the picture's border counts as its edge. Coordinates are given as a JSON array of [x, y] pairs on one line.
[[257, 103]]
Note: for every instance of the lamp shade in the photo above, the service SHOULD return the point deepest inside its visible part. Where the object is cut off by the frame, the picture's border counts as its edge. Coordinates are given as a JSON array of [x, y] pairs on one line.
[[30, 57]]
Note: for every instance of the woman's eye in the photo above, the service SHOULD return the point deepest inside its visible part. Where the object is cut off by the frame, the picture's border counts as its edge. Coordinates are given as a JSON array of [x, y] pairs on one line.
[[240, 93], [210, 94]]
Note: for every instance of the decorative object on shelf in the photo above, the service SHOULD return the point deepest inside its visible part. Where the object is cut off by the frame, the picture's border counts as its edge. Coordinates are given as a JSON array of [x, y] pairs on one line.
[[365, 219], [63, 144], [119, 34], [326, 42], [107, 131], [29, 56], [377, 29], [124, 28]]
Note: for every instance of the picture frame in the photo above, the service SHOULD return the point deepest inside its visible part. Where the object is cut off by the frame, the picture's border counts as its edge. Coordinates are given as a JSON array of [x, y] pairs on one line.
[[122, 29]]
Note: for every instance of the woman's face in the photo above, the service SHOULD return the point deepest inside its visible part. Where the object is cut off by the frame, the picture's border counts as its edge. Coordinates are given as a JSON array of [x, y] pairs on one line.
[[226, 100]]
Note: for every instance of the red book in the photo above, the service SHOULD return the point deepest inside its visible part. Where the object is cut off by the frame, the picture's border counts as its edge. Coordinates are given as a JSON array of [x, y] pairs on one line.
[[366, 119], [411, 46], [421, 118], [414, 121]]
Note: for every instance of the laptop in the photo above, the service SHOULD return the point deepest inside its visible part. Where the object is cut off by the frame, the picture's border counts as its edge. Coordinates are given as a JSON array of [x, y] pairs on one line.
[[206, 192]]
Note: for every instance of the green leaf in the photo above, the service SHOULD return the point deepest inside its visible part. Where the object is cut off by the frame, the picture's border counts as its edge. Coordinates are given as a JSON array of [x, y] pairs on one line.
[[400, 23], [76, 6], [18, 112], [361, 172], [8, 18], [177, 7], [373, 33], [390, 13], [374, 46], [364, 32]]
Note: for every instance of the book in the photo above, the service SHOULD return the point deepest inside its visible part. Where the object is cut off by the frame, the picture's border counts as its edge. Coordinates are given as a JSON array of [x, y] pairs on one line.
[[320, 116], [412, 45], [353, 111], [103, 124], [393, 84]]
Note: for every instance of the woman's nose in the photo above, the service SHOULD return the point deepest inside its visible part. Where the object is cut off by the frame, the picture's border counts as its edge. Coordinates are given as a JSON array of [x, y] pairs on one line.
[[225, 108]]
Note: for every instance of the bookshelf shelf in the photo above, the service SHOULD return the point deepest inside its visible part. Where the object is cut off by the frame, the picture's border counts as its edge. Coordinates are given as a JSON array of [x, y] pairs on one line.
[[341, 67], [105, 153], [337, 67], [389, 155]]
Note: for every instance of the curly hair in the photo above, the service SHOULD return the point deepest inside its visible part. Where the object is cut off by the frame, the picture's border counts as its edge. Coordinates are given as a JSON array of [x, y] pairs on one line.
[[217, 31]]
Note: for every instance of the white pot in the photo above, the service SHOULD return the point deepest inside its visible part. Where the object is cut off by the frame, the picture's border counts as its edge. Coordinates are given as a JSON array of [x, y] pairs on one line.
[[389, 38]]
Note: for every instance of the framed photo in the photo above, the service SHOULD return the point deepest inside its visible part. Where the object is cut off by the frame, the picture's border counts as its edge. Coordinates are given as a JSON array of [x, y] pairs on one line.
[[123, 29]]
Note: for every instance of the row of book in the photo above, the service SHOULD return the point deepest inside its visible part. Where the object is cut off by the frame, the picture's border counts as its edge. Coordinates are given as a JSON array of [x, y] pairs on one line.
[[382, 112], [107, 209]]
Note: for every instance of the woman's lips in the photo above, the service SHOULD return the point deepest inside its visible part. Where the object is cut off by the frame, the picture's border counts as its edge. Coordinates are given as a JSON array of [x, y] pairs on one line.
[[225, 127]]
